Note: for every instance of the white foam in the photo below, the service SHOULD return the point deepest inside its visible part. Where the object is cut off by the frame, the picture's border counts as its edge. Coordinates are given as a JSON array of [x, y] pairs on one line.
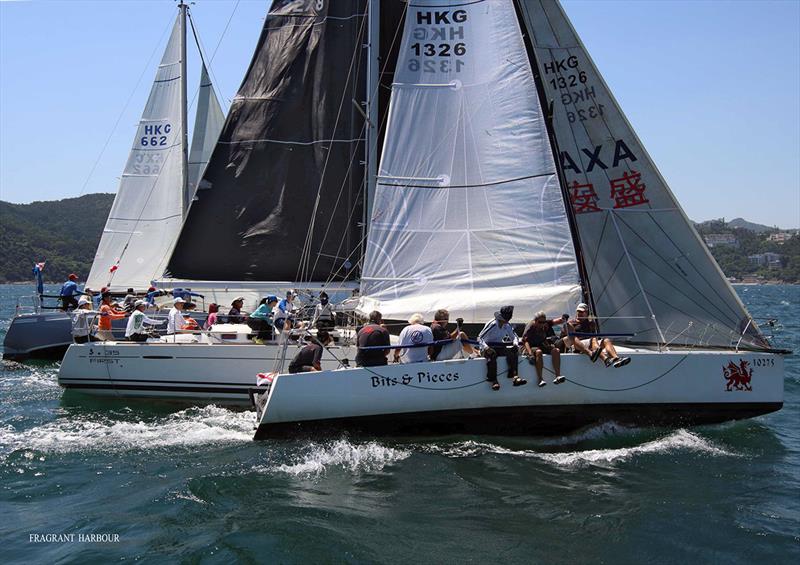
[[341, 453], [677, 440], [193, 426]]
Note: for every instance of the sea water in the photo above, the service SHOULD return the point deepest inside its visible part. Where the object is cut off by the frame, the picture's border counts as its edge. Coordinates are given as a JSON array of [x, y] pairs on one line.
[[94, 480]]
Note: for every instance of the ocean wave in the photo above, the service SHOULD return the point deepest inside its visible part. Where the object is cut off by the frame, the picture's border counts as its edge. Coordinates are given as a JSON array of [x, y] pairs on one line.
[[69, 434], [355, 458], [678, 440]]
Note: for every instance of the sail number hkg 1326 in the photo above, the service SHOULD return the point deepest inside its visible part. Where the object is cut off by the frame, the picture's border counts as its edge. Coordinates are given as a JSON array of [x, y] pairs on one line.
[[439, 41]]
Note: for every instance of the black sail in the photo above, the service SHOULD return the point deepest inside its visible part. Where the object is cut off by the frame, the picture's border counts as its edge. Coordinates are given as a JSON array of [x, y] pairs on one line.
[[294, 132]]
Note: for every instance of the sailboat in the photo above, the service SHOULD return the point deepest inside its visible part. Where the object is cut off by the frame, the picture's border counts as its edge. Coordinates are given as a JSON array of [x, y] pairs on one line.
[[509, 175], [279, 206], [159, 181]]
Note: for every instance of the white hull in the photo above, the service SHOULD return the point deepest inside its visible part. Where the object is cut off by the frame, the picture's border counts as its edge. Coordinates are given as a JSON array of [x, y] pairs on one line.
[[454, 397], [188, 372]]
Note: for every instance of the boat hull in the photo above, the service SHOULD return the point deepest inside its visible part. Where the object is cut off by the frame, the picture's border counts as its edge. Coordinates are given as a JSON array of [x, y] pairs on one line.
[[670, 388], [194, 373]]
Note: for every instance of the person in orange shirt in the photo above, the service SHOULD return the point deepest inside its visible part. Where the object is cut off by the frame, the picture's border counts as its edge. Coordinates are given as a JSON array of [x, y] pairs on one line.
[[107, 314]]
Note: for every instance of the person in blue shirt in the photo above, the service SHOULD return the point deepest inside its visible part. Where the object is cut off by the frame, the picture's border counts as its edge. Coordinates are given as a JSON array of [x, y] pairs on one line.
[[285, 311], [68, 293], [260, 320]]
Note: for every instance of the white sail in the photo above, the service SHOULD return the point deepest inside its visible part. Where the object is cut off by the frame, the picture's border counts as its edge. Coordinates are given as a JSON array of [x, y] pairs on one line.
[[650, 273], [468, 212], [207, 125], [147, 213]]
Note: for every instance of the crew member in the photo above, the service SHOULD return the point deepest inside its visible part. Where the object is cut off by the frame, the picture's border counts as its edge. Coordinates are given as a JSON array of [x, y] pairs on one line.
[[371, 335], [498, 339], [135, 330], [309, 357], [68, 293]]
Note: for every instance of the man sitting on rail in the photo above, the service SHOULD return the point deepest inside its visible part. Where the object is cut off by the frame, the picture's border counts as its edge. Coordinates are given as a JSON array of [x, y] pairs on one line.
[[414, 334], [498, 339], [591, 346], [456, 349]]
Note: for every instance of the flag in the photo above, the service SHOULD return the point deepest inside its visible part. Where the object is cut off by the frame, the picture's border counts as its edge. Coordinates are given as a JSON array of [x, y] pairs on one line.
[[37, 271], [263, 379]]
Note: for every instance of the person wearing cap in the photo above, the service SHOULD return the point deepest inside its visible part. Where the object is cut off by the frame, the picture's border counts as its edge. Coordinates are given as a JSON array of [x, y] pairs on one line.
[[284, 311], [590, 346], [135, 330], [260, 320], [235, 315], [309, 357], [68, 292], [175, 319], [416, 339], [108, 313], [498, 339], [323, 318], [82, 318]]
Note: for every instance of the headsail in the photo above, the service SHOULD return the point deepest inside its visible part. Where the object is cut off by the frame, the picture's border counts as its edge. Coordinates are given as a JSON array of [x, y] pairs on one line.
[[649, 271], [293, 132], [146, 216], [468, 211], [207, 126]]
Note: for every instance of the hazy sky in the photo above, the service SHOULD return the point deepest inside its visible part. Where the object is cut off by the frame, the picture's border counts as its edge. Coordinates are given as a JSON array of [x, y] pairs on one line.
[[711, 87]]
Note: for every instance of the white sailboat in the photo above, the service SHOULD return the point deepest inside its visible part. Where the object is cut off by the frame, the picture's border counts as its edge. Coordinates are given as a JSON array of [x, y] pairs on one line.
[[472, 212], [157, 186]]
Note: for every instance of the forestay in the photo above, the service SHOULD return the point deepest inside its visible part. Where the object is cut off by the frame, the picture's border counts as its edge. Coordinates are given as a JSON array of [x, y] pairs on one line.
[[207, 125], [468, 211], [146, 216], [649, 271]]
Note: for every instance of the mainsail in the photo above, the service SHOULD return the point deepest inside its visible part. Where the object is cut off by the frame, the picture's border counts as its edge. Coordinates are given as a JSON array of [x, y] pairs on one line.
[[468, 211], [649, 271], [293, 138], [207, 125], [146, 216]]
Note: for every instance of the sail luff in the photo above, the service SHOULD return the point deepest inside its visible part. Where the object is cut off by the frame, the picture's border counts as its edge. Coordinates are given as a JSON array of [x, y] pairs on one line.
[[668, 269], [186, 189], [145, 217]]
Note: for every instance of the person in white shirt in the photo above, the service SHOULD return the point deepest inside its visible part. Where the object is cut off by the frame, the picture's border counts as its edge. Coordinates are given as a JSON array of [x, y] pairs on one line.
[[418, 334], [498, 339], [175, 320], [135, 330], [82, 318]]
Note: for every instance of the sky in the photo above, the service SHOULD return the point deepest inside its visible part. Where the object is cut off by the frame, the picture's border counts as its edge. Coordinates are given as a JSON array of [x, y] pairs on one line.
[[712, 88]]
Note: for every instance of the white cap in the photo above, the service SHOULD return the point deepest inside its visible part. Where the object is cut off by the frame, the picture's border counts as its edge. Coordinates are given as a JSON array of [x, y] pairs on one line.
[[582, 307], [83, 300], [139, 303], [178, 300]]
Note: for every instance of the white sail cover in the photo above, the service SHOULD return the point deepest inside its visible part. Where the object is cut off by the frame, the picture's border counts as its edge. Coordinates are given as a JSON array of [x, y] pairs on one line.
[[468, 212], [207, 125], [147, 213], [650, 274]]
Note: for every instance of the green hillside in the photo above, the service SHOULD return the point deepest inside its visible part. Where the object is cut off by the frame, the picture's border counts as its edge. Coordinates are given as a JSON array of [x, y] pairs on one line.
[[65, 233]]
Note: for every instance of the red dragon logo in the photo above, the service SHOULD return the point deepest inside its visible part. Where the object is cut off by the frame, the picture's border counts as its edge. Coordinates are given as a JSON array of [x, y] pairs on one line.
[[737, 376]]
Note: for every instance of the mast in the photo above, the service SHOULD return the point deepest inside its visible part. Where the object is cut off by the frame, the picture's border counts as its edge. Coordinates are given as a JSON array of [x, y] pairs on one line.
[[187, 197], [373, 96], [547, 106]]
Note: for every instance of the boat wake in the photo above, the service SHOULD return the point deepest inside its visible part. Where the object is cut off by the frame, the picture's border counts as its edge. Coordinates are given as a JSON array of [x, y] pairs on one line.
[[319, 458], [69, 434], [678, 440]]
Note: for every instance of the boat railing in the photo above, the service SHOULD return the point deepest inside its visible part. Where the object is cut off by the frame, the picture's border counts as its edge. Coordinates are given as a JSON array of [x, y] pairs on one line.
[[35, 304]]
